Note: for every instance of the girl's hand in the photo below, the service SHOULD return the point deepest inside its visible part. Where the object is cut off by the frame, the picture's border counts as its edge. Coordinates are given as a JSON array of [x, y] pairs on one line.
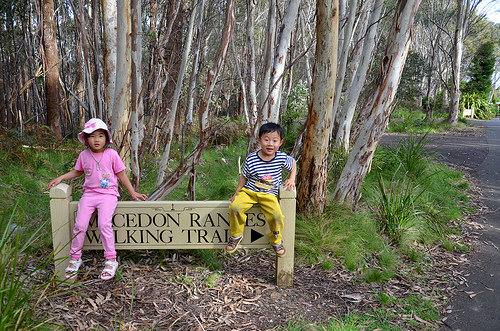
[[136, 196], [54, 182]]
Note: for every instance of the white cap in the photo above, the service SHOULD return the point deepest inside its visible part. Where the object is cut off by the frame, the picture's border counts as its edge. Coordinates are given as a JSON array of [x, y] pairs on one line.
[[92, 125]]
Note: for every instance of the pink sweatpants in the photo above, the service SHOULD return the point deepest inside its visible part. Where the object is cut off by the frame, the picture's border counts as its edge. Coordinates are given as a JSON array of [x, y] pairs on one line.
[[105, 205]]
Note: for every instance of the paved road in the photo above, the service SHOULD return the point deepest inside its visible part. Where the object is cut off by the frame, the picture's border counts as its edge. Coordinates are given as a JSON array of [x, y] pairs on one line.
[[477, 305], [480, 310]]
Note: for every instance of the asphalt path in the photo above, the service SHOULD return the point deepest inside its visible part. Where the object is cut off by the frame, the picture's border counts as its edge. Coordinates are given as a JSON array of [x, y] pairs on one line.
[[477, 304]]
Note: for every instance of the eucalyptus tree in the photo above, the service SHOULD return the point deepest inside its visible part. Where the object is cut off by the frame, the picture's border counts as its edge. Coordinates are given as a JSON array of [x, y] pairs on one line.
[[188, 165], [465, 9], [363, 54], [51, 56], [380, 104], [284, 40], [312, 184]]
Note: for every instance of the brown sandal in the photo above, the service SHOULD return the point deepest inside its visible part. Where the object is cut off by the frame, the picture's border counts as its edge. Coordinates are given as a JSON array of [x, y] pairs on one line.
[[279, 250]]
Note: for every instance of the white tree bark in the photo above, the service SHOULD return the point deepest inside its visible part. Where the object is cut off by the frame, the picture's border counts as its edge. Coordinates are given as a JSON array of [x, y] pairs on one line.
[[196, 61], [243, 85], [311, 192], [252, 85], [345, 123], [463, 7], [109, 34], [305, 47], [175, 100], [379, 109], [276, 82], [268, 58], [137, 106], [121, 109], [344, 53]]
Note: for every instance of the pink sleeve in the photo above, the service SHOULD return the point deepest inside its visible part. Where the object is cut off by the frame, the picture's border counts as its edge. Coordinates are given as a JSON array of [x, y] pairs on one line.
[[118, 165], [79, 162]]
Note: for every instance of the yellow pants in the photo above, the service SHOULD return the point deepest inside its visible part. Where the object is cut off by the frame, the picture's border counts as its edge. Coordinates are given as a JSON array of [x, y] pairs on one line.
[[269, 206]]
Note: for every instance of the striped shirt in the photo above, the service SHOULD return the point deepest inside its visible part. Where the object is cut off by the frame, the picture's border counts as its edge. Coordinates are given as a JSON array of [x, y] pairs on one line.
[[265, 176]]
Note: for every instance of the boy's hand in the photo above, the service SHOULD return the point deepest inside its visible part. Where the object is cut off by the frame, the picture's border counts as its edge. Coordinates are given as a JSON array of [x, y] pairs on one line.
[[289, 184], [232, 198]]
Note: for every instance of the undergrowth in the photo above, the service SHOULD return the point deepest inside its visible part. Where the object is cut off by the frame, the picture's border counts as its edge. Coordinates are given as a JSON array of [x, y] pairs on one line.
[[407, 202]]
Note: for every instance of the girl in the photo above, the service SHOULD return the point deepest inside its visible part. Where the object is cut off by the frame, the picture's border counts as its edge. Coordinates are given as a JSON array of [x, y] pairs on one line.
[[102, 167]]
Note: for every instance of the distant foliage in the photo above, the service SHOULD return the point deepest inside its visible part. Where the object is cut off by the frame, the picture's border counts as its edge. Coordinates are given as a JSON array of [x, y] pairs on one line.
[[483, 66], [410, 86], [482, 110]]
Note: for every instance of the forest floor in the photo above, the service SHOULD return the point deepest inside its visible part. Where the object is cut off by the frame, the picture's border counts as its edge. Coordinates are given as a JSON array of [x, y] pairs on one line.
[[179, 295]]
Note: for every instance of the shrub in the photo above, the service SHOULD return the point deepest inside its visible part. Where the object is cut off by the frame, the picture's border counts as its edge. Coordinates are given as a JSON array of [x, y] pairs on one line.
[[23, 285]]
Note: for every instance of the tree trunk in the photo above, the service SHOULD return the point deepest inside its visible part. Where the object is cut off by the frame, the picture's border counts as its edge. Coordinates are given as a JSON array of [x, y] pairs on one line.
[[312, 185], [51, 67], [359, 77], [268, 57], [109, 13], [196, 62], [342, 65], [121, 109], [175, 99], [243, 86], [458, 44], [285, 38], [379, 109], [185, 168], [137, 107], [252, 85]]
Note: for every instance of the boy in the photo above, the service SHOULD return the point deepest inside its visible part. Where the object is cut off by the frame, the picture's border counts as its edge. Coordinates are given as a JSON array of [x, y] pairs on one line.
[[258, 184]]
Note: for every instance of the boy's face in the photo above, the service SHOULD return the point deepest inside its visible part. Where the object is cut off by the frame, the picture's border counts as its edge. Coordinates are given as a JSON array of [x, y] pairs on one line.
[[270, 142]]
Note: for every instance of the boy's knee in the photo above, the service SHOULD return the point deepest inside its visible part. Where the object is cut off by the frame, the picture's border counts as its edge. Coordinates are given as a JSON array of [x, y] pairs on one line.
[[235, 208], [277, 217]]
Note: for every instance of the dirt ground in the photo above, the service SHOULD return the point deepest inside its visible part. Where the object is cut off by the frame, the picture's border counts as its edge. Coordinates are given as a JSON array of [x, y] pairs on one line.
[[179, 295]]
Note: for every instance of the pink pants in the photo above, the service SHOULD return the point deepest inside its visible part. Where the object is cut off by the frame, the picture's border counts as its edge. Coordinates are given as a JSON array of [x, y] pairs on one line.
[[105, 205]]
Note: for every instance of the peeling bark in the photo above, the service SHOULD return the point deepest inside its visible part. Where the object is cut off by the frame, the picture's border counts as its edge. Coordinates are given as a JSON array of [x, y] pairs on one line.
[[311, 191], [348, 187]]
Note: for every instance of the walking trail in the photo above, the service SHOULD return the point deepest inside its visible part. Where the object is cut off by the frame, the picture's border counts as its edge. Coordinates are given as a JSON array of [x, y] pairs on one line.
[[477, 305]]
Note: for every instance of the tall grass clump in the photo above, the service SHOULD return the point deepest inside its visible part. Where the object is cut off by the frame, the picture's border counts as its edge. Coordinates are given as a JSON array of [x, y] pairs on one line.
[[412, 195], [24, 279], [336, 233], [400, 219]]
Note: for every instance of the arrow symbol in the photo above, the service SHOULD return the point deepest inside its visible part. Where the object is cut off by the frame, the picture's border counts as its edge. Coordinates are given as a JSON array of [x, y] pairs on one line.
[[254, 235]]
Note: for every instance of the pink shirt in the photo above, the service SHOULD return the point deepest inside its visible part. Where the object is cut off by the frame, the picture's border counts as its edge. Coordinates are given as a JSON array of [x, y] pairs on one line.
[[100, 171]]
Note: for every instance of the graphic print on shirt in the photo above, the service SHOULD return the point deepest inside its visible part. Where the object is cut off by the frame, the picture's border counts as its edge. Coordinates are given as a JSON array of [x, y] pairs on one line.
[[105, 180], [265, 183]]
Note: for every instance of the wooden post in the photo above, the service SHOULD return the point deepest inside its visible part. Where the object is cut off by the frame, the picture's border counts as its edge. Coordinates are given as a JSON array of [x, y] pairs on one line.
[[61, 234], [62, 208], [284, 266]]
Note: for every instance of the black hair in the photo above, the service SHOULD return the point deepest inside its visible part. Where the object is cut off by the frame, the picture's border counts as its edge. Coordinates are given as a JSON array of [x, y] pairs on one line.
[[108, 139], [271, 127]]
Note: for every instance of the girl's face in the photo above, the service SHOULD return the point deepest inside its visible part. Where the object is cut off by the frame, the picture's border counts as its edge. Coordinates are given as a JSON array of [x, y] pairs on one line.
[[269, 142], [97, 140]]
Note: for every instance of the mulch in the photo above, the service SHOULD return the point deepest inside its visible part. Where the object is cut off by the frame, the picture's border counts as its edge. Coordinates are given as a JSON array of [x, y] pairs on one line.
[[243, 296], [178, 294]]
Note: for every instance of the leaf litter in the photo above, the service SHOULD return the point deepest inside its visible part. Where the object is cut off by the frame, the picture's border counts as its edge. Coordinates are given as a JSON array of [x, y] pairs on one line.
[[179, 295]]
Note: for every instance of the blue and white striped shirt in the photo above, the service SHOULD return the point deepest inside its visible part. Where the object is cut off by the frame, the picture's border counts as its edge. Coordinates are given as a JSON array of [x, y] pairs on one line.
[[266, 176]]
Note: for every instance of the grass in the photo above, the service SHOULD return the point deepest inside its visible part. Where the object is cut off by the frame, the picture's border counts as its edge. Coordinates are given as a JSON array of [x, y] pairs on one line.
[[407, 204], [23, 278], [408, 120]]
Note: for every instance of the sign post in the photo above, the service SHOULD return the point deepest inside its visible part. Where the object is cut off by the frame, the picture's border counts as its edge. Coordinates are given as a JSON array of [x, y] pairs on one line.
[[172, 225]]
